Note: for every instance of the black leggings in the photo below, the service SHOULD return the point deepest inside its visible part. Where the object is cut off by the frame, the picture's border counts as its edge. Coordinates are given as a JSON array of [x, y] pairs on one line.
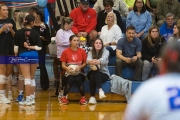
[[69, 81], [96, 79]]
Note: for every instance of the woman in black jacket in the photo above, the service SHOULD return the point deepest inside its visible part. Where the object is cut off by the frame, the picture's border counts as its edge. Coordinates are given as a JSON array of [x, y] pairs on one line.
[[151, 46]]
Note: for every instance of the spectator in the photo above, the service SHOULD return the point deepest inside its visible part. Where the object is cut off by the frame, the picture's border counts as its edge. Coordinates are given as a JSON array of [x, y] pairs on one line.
[[98, 61], [130, 3], [158, 98], [33, 10], [84, 19], [167, 6], [111, 33], [151, 47], [176, 33], [108, 4], [62, 42], [73, 56], [15, 14], [140, 18], [119, 5], [166, 29], [128, 53]]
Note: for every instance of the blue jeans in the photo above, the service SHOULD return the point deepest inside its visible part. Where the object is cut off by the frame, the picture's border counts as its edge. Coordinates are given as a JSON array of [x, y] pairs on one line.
[[111, 51]]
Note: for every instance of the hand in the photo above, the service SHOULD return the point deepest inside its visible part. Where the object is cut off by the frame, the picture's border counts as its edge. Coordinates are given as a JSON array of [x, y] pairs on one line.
[[128, 60], [5, 27], [79, 34], [107, 44], [26, 45], [96, 62], [78, 68], [69, 69], [154, 60], [42, 37], [140, 34], [10, 25], [84, 34], [134, 59], [93, 67]]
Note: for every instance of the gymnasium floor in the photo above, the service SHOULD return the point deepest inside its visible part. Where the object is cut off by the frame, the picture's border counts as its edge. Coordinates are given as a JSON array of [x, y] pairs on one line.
[[48, 108]]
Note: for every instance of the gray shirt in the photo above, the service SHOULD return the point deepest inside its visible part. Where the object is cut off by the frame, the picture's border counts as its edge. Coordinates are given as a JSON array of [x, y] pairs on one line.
[[129, 49], [104, 61]]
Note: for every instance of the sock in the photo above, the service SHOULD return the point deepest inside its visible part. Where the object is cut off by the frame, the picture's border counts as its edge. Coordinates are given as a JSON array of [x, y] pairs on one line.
[[28, 98], [9, 92], [20, 92], [32, 96]]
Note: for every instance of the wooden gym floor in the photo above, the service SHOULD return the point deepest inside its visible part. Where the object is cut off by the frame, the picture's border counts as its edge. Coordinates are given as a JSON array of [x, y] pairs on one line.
[[48, 108]]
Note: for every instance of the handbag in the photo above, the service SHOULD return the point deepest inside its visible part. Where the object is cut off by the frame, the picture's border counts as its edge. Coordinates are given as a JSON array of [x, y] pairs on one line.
[[73, 72]]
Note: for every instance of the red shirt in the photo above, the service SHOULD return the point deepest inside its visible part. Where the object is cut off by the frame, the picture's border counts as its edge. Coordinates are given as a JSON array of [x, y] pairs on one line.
[[83, 21], [71, 57]]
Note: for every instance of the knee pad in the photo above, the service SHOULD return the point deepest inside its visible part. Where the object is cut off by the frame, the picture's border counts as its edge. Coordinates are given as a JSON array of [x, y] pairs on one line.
[[2, 79], [20, 77], [33, 83], [8, 78], [27, 81], [15, 68]]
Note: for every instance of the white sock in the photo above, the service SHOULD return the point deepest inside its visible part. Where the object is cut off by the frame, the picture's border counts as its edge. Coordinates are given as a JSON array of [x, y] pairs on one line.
[[20, 92], [32, 96], [28, 97]]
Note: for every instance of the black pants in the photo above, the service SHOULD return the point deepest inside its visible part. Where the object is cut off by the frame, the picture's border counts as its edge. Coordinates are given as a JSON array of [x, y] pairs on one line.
[[44, 79], [70, 80], [96, 79]]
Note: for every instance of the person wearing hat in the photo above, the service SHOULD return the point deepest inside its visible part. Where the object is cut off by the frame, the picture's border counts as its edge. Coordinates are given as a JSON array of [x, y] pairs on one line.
[[84, 19]]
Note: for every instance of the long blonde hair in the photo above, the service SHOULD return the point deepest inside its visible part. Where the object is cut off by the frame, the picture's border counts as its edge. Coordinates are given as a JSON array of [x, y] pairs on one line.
[[20, 20]]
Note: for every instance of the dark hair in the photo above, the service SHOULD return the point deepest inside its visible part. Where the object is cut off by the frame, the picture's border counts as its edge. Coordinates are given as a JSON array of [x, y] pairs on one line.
[[41, 15], [108, 2], [28, 20], [130, 28], [143, 8], [96, 55], [71, 37], [171, 57], [65, 20], [16, 11], [33, 9]]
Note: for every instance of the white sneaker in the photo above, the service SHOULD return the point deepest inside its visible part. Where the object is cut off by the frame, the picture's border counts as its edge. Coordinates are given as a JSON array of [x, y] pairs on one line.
[[3, 99], [33, 101], [92, 100], [101, 94], [26, 102], [10, 97]]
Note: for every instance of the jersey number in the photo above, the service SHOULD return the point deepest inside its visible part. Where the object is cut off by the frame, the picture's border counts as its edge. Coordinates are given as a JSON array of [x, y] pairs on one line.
[[174, 98]]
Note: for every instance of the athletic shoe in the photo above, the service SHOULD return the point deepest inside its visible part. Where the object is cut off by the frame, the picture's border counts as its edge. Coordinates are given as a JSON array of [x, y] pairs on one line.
[[92, 100], [83, 101], [10, 97], [101, 94], [33, 101], [63, 101], [3, 99], [25, 102], [19, 98]]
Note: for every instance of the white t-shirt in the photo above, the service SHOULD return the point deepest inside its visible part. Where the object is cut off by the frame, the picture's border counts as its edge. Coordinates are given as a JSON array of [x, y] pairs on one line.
[[156, 99]]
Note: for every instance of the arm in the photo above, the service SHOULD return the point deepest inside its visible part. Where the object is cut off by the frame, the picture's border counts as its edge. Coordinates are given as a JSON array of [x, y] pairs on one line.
[[149, 22], [117, 34], [61, 39], [148, 5], [128, 19], [2, 29], [92, 24], [105, 57], [159, 10], [123, 7], [97, 6], [47, 36], [119, 55], [73, 16]]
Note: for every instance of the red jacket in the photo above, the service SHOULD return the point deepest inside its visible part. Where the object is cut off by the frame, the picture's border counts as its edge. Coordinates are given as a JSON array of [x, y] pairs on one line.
[[83, 21]]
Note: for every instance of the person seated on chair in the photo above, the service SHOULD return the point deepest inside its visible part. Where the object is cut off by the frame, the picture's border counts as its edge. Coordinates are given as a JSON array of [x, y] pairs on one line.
[[84, 18], [111, 33], [151, 47], [176, 33], [167, 6], [98, 61], [108, 4], [140, 18], [73, 62], [166, 29], [130, 3], [128, 53]]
